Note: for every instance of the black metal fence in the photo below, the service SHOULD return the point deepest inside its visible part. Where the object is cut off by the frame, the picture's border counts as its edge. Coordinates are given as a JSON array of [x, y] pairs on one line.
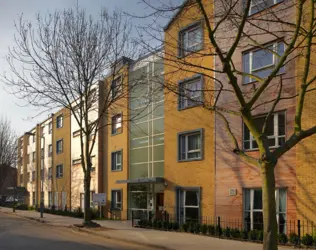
[[291, 232]]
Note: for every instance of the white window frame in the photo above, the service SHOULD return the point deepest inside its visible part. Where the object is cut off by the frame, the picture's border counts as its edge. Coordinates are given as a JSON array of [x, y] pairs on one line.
[[274, 60], [184, 206], [186, 136], [184, 93], [116, 124], [59, 171], [76, 133], [262, 1], [185, 47], [117, 167], [76, 161], [59, 121], [252, 210], [276, 135], [115, 192], [61, 147]]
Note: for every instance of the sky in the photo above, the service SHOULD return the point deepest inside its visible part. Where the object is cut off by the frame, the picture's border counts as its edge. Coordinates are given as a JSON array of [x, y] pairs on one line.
[[23, 117]]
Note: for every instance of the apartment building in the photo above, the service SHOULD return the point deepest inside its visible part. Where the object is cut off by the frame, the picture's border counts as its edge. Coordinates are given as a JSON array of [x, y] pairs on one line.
[[159, 148]]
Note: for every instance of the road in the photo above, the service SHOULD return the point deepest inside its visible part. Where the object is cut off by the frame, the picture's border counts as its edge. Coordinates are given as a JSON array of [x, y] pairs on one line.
[[17, 233]]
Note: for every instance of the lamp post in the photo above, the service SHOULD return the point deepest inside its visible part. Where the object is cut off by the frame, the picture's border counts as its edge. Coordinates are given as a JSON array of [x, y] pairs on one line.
[[42, 154]]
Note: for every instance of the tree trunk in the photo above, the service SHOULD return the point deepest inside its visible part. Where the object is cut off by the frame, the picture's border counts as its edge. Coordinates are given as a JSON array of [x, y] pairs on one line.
[[87, 211], [269, 207]]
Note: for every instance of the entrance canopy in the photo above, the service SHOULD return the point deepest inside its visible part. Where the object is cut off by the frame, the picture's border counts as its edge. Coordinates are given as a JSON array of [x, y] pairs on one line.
[[142, 180]]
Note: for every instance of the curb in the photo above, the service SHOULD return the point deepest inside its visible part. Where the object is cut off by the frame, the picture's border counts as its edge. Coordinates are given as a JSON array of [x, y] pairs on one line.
[[119, 239]]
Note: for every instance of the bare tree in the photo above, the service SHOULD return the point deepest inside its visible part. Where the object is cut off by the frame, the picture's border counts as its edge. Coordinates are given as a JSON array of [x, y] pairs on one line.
[[8, 151], [286, 33], [58, 62]]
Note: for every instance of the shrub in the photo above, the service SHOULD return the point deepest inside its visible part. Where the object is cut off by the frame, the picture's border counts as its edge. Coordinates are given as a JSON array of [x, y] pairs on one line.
[[294, 239], [226, 232], [78, 212], [175, 226], [197, 228], [211, 229], [219, 231], [252, 234], [282, 238], [235, 233], [165, 225], [159, 224], [260, 235], [191, 227], [307, 240], [204, 229], [22, 207], [244, 234], [185, 227]]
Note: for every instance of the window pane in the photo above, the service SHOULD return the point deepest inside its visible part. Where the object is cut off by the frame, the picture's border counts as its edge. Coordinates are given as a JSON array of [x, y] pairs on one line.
[[259, 123], [191, 214], [270, 126], [138, 171], [194, 155], [136, 143], [254, 144], [158, 169], [282, 200], [139, 155], [257, 220], [246, 67], [257, 199], [158, 110], [194, 142], [191, 198], [182, 148], [247, 221], [247, 199], [158, 139], [138, 200], [119, 196], [282, 223], [247, 145], [263, 73], [158, 153], [118, 158], [281, 141], [158, 126], [139, 115], [262, 58], [246, 133], [139, 130], [281, 125], [271, 142], [194, 36]]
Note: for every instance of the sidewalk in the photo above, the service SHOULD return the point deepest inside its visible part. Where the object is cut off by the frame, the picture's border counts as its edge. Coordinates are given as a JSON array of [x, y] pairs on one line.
[[123, 231]]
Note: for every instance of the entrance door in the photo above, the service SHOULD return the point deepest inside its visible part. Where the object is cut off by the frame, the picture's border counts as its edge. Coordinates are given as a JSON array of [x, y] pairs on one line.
[[159, 205]]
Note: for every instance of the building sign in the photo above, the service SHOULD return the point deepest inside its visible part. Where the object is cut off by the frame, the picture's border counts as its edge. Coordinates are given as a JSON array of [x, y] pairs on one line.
[[99, 199]]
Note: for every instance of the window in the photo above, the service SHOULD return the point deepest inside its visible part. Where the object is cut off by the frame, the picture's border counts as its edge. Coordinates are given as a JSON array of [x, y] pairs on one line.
[[42, 131], [59, 121], [29, 177], [59, 171], [116, 199], [190, 93], [50, 198], [259, 5], [59, 146], [33, 156], [275, 131], [76, 133], [50, 173], [117, 124], [33, 137], [33, 198], [253, 216], [21, 179], [190, 145], [50, 127], [188, 204], [190, 39], [76, 161], [261, 62], [42, 153], [33, 176], [116, 164], [50, 150], [42, 174], [116, 87]]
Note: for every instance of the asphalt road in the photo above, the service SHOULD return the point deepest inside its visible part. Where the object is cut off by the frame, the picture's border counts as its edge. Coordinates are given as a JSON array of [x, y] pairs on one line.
[[17, 233]]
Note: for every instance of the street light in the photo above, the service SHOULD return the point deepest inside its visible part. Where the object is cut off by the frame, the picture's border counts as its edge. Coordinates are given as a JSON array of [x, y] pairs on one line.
[[42, 172]]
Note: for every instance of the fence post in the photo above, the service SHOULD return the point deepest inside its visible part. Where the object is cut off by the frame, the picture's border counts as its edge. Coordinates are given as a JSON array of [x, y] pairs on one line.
[[219, 226], [132, 218], [299, 232]]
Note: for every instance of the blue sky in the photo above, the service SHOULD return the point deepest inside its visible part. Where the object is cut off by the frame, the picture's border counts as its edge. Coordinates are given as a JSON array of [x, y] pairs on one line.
[[21, 115]]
